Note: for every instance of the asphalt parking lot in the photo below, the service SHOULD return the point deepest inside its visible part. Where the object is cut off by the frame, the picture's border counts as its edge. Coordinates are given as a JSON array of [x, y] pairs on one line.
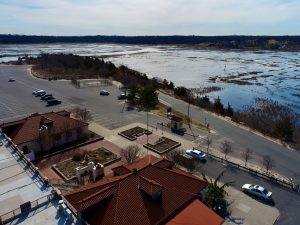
[[17, 100]]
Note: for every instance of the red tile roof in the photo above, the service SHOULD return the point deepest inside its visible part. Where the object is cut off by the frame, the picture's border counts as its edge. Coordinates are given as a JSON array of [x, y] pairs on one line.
[[196, 213], [27, 129], [130, 203]]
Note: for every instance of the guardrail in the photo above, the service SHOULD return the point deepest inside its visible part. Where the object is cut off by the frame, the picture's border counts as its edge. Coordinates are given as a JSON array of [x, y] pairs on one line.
[[269, 177]]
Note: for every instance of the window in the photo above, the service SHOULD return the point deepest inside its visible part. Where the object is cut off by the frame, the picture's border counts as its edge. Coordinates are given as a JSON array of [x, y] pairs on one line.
[[79, 130]]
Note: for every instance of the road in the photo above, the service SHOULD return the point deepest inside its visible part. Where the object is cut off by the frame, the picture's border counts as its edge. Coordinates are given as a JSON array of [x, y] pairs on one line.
[[287, 162], [286, 201], [16, 100]]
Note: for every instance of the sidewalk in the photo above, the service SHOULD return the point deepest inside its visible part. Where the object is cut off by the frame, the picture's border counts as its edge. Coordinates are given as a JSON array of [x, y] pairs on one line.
[[248, 211]]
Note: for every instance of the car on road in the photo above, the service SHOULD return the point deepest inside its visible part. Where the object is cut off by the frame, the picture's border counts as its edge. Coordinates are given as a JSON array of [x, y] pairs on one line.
[[11, 79], [53, 102], [197, 154], [104, 92], [122, 96], [257, 191], [45, 96]]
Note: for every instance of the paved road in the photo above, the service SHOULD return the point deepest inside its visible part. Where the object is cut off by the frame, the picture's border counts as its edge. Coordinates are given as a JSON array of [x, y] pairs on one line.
[[16, 100], [286, 201], [287, 162]]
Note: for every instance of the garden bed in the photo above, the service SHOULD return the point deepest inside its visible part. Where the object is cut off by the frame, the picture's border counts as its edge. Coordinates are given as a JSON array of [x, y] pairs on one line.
[[162, 145], [133, 133], [66, 168]]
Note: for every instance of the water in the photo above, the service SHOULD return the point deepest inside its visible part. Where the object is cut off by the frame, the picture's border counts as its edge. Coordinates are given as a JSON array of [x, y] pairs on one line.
[[274, 75]]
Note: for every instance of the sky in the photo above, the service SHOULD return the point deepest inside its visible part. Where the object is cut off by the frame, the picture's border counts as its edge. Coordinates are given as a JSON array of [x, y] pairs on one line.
[[150, 17]]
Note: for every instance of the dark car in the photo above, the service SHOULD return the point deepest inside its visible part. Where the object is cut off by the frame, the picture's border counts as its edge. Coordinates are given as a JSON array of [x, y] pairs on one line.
[[53, 102], [104, 92], [11, 79], [122, 96], [48, 98], [45, 96]]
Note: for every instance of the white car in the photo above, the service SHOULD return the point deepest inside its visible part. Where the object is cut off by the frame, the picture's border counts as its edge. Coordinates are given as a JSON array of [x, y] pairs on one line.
[[257, 190], [196, 154], [38, 92]]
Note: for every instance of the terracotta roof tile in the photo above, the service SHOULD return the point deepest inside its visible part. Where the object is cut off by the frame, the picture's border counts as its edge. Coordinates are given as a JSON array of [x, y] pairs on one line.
[[131, 205], [149, 186], [196, 213], [27, 129]]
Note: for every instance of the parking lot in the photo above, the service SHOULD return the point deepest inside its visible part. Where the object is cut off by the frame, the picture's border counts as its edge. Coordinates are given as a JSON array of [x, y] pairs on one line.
[[17, 100]]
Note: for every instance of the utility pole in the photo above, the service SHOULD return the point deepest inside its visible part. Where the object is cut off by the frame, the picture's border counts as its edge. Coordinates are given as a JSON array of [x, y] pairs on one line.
[[147, 125]]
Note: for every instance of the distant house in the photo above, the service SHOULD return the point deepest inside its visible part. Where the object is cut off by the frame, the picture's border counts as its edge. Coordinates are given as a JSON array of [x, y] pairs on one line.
[[149, 192], [42, 132]]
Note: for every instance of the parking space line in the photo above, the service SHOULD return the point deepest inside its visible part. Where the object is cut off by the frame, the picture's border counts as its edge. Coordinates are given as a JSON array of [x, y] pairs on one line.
[[8, 108]]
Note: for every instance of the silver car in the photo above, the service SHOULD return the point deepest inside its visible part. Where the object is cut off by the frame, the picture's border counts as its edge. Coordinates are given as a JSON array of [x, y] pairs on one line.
[[258, 191]]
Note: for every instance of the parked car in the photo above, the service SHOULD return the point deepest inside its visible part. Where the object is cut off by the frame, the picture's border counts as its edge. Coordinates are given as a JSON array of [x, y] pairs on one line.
[[257, 190], [197, 154], [39, 93], [104, 92], [11, 79], [53, 102], [45, 96], [122, 96], [48, 98]]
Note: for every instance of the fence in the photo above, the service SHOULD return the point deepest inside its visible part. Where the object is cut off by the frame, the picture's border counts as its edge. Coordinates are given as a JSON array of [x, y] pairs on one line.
[[269, 177], [91, 83]]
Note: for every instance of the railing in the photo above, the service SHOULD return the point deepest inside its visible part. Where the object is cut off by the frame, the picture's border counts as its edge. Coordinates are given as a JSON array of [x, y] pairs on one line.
[[8, 217], [28, 166], [269, 177]]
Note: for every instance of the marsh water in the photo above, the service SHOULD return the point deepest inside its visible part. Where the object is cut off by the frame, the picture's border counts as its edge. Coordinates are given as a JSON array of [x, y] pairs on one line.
[[241, 75]]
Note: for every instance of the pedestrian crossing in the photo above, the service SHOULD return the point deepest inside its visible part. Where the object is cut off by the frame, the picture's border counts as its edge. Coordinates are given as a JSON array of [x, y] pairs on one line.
[[108, 122]]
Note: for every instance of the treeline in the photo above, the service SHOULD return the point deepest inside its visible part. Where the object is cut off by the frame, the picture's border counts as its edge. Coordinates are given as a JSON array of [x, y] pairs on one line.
[[264, 115], [72, 67], [234, 41]]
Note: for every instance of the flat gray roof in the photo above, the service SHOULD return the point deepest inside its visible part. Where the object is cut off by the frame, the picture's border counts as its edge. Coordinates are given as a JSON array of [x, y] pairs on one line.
[[18, 184]]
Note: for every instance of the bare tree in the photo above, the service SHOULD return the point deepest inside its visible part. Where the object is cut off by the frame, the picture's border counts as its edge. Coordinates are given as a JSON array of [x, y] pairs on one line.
[[208, 142], [267, 162], [226, 148], [83, 114], [131, 153], [173, 155], [247, 155]]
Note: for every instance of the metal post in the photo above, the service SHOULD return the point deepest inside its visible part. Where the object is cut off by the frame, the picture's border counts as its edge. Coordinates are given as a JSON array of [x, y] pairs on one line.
[[147, 126]]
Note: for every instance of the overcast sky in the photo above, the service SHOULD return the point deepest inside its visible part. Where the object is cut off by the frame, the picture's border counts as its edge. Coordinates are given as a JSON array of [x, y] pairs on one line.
[[150, 17]]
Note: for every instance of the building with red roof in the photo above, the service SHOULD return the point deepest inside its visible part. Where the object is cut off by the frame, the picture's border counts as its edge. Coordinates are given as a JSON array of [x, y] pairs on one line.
[[41, 132], [149, 191]]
